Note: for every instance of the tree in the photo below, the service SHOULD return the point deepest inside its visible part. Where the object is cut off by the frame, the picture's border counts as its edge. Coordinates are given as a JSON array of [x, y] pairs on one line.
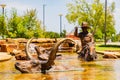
[[94, 14], [25, 26], [116, 37], [52, 35], [3, 30], [32, 24], [63, 34], [15, 26]]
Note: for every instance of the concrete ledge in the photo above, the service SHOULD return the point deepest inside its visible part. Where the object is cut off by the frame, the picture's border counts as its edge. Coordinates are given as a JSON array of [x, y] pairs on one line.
[[109, 53], [8, 47], [4, 56]]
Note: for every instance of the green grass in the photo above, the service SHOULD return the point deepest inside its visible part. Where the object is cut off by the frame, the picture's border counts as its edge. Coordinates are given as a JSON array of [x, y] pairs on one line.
[[107, 47]]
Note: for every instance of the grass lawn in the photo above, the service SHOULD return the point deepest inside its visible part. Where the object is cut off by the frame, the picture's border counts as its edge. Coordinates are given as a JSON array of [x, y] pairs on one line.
[[100, 47]]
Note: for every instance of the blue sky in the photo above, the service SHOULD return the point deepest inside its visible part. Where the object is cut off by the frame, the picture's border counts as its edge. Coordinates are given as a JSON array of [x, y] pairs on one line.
[[52, 10]]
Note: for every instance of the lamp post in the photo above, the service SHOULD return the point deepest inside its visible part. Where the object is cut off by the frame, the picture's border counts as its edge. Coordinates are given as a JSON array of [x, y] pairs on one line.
[[105, 22], [3, 7], [44, 16], [60, 24]]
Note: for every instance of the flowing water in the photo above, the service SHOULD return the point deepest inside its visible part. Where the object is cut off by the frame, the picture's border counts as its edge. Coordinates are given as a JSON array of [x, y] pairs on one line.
[[101, 69]]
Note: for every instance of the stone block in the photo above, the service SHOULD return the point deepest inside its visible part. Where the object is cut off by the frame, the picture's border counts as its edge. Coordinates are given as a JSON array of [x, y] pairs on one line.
[[8, 47]]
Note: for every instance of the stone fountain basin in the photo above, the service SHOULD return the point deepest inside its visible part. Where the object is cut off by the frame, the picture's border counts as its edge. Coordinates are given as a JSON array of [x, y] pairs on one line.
[[4, 56]]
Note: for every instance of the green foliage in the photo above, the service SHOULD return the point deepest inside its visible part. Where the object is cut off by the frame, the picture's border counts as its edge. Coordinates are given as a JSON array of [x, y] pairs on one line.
[[3, 30], [63, 34], [25, 26], [98, 34], [94, 14], [52, 35], [107, 47], [117, 46], [116, 37], [15, 26]]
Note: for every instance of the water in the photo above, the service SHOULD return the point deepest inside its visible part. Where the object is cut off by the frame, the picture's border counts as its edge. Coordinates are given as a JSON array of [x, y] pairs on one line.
[[101, 69]]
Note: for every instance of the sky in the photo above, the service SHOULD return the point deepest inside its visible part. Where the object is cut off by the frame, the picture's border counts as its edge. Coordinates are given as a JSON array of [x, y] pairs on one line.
[[52, 10]]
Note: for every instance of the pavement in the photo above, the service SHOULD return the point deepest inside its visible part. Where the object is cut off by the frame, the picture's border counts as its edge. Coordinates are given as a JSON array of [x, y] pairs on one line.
[[113, 43]]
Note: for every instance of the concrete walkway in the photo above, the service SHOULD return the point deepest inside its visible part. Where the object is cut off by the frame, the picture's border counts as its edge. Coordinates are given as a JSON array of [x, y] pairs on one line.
[[113, 43]]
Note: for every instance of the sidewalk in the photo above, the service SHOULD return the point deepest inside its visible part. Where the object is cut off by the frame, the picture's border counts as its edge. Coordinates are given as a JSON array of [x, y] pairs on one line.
[[113, 43]]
